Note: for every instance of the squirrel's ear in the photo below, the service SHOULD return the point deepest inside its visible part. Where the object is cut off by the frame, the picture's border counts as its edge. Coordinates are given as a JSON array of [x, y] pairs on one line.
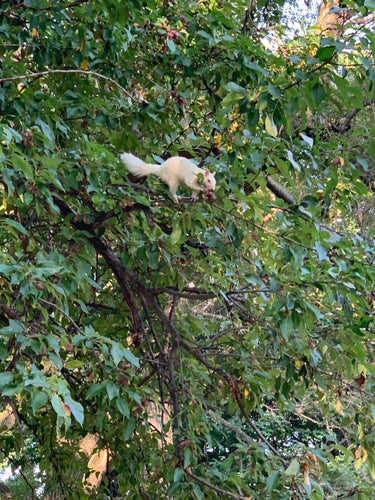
[[207, 172], [213, 173]]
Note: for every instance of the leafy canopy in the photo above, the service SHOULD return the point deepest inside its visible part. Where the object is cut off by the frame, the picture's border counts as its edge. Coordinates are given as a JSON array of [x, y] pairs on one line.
[[212, 349]]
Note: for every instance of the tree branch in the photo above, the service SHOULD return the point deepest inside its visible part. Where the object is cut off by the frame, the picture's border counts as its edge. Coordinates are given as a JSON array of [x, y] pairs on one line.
[[123, 275], [240, 433], [67, 71], [187, 293], [225, 493], [47, 302], [279, 191], [20, 4]]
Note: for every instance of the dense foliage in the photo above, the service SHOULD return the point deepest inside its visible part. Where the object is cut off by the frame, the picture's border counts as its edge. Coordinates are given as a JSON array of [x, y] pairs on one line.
[[216, 349]]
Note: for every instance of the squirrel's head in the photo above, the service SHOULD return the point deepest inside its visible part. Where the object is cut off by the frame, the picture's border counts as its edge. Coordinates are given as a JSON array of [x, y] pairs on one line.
[[209, 180]]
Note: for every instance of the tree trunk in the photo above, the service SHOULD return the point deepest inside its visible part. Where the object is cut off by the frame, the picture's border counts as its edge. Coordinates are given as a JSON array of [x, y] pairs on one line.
[[330, 20]]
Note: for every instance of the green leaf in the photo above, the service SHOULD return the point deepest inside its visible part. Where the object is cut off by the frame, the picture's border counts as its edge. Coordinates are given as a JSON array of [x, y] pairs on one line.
[[113, 390], [198, 492], [272, 481], [90, 332], [123, 406], [23, 165], [95, 389], [13, 223], [56, 360], [252, 118], [188, 455], [364, 163], [171, 45], [58, 406], [231, 99], [129, 428], [39, 399], [9, 134], [47, 131], [318, 493], [325, 53], [178, 474], [54, 343], [76, 409], [322, 252], [140, 198], [175, 236], [129, 356], [276, 92], [5, 378], [51, 162], [117, 353], [234, 87], [287, 327], [349, 285], [330, 186], [15, 326], [293, 468], [74, 363], [318, 92], [340, 46], [327, 41]]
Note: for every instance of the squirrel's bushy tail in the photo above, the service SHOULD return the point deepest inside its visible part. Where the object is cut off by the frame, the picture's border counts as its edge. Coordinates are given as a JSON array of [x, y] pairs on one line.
[[137, 166]]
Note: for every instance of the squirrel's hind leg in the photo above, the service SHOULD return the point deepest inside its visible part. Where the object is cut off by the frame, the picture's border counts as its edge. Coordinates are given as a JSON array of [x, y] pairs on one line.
[[173, 190]]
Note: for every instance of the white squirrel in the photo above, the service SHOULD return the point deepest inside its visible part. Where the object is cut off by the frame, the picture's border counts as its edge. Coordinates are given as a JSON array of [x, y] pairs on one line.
[[173, 171]]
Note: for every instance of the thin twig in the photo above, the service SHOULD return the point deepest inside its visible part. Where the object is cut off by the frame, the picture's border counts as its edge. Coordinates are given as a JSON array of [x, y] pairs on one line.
[[19, 469], [240, 433], [194, 294], [67, 71], [225, 493], [77, 3], [258, 432], [221, 334], [262, 228], [64, 313]]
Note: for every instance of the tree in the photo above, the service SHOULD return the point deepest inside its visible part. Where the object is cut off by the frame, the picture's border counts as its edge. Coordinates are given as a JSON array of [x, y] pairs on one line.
[[154, 350]]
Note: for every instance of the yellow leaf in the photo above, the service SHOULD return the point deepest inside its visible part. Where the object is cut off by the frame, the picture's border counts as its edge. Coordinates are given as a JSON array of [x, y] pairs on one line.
[[306, 478], [85, 64], [218, 139], [362, 369], [270, 126], [361, 459], [298, 364], [35, 33], [246, 392], [338, 407]]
